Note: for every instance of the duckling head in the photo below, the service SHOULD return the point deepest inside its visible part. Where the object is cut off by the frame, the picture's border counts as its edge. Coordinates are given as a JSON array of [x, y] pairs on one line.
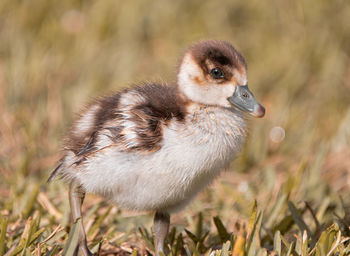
[[215, 73]]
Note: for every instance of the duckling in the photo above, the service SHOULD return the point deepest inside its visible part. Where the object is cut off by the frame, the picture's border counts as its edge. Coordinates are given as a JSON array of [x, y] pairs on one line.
[[154, 147]]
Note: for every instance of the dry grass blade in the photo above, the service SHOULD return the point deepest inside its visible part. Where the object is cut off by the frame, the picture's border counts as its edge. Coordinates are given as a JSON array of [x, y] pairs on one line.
[[46, 204], [277, 243], [225, 249], [57, 229], [238, 249]]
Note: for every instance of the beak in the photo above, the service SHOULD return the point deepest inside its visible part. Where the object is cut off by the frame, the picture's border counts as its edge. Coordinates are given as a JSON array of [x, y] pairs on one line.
[[244, 100]]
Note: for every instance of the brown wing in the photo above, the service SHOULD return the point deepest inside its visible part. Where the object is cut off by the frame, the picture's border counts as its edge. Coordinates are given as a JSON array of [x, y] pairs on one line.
[[130, 121], [137, 124]]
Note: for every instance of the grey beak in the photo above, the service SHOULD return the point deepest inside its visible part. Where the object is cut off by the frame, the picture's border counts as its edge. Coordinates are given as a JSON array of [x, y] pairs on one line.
[[244, 100]]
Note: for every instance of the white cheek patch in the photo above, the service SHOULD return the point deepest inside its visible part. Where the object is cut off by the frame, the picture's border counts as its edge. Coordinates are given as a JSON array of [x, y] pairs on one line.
[[205, 93], [188, 71], [218, 94], [197, 88]]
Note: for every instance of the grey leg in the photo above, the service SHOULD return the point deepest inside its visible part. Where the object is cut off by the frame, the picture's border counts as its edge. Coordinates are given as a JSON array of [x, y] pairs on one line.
[[76, 198], [161, 228]]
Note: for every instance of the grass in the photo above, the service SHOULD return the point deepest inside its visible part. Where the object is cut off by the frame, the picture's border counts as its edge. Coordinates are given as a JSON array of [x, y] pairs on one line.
[[287, 192]]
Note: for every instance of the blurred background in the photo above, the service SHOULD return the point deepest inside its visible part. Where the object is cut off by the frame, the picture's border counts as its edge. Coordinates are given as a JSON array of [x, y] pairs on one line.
[[57, 55]]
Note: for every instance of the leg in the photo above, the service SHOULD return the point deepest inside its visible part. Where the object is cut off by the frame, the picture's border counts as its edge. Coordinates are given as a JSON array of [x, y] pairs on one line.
[[76, 198], [161, 228]]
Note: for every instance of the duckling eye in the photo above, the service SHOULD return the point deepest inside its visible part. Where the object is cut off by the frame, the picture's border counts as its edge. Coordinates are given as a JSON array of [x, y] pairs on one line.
[[217, 73]]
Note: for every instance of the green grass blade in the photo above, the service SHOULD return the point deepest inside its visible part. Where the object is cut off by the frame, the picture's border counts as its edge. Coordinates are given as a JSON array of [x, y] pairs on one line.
[[53, 251], [73, 239], [276, 210], [298, 219], [252, 243], [146, 238], [223, 234], [199, 226], [4, 223], [98, 222], [31, 201], [178, 245]]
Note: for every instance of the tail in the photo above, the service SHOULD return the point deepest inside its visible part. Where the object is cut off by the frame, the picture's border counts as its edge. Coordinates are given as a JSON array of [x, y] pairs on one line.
[[55, 172]]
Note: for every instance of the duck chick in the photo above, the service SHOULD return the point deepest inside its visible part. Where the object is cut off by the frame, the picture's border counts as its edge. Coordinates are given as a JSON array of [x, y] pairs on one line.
[[153, 147]]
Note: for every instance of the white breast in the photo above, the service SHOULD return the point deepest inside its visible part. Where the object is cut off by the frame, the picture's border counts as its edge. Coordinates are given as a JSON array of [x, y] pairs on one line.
[[192, 155]]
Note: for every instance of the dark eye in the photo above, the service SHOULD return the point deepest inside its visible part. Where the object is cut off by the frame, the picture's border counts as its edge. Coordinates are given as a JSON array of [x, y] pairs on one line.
[[217, 73]]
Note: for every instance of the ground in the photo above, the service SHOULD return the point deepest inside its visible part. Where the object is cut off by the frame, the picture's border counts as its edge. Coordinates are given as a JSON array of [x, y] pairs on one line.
[[286, 193]]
